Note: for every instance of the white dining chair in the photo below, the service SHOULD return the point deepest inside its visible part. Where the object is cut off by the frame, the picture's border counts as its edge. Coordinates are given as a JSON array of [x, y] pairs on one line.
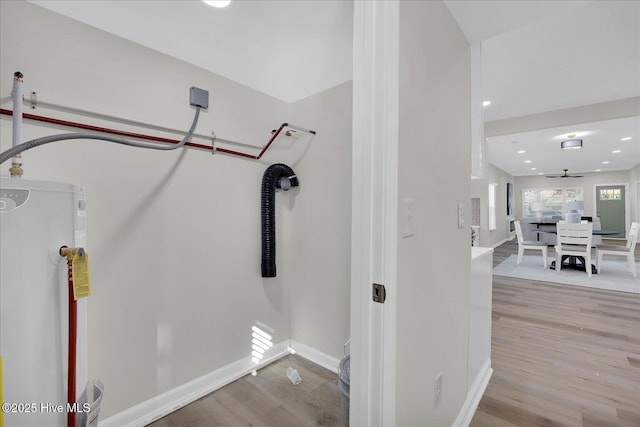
[[627, 251], [574, 240], [529, 244]]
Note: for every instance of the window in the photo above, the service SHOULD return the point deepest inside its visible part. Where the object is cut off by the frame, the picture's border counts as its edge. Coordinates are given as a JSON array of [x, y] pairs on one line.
[[492, 205], [551, 202], [610, 194]]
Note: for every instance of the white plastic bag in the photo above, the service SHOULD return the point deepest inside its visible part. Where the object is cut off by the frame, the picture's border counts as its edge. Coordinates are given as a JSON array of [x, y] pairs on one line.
[[293, 376]]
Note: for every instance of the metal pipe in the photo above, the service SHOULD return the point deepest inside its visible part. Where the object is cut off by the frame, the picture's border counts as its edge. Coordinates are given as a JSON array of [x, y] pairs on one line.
[[299, 128], [34, 102], [16, 92], [101, 129]]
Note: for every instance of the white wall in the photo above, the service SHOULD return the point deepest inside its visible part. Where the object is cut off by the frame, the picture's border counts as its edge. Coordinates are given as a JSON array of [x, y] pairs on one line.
[[320, 269], [480, 189], [634, 193], [174, 237], [588, 183], [434, 169]]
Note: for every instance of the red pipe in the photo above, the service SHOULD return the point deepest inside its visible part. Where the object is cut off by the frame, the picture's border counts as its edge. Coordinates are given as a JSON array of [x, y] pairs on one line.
[[143, 136], [100, 129], [119, 132], [236, 153], [273, 138], [73, 334]]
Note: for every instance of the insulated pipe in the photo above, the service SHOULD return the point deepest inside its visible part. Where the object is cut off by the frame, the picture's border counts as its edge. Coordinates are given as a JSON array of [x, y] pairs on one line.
[[16, 162], [157, 138], [63, 137], [282, 176]]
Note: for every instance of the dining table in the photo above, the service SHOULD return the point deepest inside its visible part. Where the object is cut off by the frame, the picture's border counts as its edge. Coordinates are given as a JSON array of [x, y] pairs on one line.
[[574, 262]]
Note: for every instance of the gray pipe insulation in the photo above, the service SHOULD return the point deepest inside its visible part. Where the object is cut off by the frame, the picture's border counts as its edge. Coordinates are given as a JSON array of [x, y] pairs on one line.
[[280, 176], [6, 155]]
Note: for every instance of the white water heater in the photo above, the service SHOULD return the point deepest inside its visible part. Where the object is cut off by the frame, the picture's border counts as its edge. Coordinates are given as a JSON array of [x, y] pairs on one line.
[[36, 219]]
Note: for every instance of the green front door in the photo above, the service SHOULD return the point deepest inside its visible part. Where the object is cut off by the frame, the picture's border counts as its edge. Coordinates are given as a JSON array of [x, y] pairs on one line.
[[610, 208]]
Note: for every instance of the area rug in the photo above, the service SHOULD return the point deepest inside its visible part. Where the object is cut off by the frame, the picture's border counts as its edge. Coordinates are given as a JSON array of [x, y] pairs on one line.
[[614, 275]]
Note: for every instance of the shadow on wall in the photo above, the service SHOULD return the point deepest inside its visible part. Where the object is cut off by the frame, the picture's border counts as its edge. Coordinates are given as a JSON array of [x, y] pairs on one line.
[[136, 213]]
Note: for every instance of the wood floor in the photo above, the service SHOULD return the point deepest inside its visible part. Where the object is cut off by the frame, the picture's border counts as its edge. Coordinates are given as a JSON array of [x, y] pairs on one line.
[[562, 356], [268, 399]]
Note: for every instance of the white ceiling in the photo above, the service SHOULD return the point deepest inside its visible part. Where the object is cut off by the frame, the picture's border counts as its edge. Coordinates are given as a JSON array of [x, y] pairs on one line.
[[576, 56], [544, 153], [287, 49], [537, 56]]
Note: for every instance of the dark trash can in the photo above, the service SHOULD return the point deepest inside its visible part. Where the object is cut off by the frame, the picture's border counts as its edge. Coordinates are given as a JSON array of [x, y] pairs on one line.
[[344, 373]]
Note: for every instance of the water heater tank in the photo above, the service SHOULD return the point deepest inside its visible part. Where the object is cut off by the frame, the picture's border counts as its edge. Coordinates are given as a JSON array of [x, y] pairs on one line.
[[36, 218]]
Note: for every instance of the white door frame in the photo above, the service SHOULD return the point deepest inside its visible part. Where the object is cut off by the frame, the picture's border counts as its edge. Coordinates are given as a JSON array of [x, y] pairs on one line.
[[637, 207], [374, 211], [627, 205]]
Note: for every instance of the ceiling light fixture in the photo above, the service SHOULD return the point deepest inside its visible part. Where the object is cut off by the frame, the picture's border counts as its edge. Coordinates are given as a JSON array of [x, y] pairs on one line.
[[521, 152], [606, 162], [598, 170], [527, 161], [626, 138], [572, 143], [218, 3], [486, 103], [616, 151]]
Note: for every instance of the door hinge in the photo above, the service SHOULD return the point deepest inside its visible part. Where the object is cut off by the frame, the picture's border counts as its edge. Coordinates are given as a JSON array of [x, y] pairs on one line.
[[379, 293]]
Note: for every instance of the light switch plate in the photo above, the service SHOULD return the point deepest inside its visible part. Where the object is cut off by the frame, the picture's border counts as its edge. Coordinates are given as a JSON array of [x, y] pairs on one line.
[[407, 217]]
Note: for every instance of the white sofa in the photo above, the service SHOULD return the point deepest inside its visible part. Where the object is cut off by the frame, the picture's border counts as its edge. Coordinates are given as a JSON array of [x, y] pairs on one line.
[[529, 230]]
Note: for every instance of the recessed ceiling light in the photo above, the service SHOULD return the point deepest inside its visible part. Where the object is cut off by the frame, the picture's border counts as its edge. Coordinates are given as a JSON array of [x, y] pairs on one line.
[[533, 169], [626, 138], [218, 3], [521, 152], [606, 162], [615, 151], [573, 135], [598, 170], [527, 161], [486, 103], [539, 173]]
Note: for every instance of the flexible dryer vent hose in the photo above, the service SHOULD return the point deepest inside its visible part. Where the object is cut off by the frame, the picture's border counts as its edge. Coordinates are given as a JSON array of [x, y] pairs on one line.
[[281, 176]]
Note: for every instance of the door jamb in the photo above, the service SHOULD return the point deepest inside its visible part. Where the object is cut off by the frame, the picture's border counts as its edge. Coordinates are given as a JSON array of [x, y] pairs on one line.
[[374, 211]]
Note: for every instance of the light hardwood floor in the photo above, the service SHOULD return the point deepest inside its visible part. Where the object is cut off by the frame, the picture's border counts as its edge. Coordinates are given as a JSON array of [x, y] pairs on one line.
[[268, 399], [562, 356]]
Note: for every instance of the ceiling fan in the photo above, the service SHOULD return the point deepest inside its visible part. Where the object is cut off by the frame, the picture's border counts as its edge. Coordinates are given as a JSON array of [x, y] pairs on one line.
[[564, 175]]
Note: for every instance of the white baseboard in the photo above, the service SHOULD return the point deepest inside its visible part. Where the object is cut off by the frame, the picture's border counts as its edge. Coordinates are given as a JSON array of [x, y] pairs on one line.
[[317, 357], [474, 395], [495, 245], [150, 410]]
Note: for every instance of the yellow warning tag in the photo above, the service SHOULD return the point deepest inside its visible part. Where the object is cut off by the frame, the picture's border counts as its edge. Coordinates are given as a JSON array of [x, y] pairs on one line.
[[80, 268]]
